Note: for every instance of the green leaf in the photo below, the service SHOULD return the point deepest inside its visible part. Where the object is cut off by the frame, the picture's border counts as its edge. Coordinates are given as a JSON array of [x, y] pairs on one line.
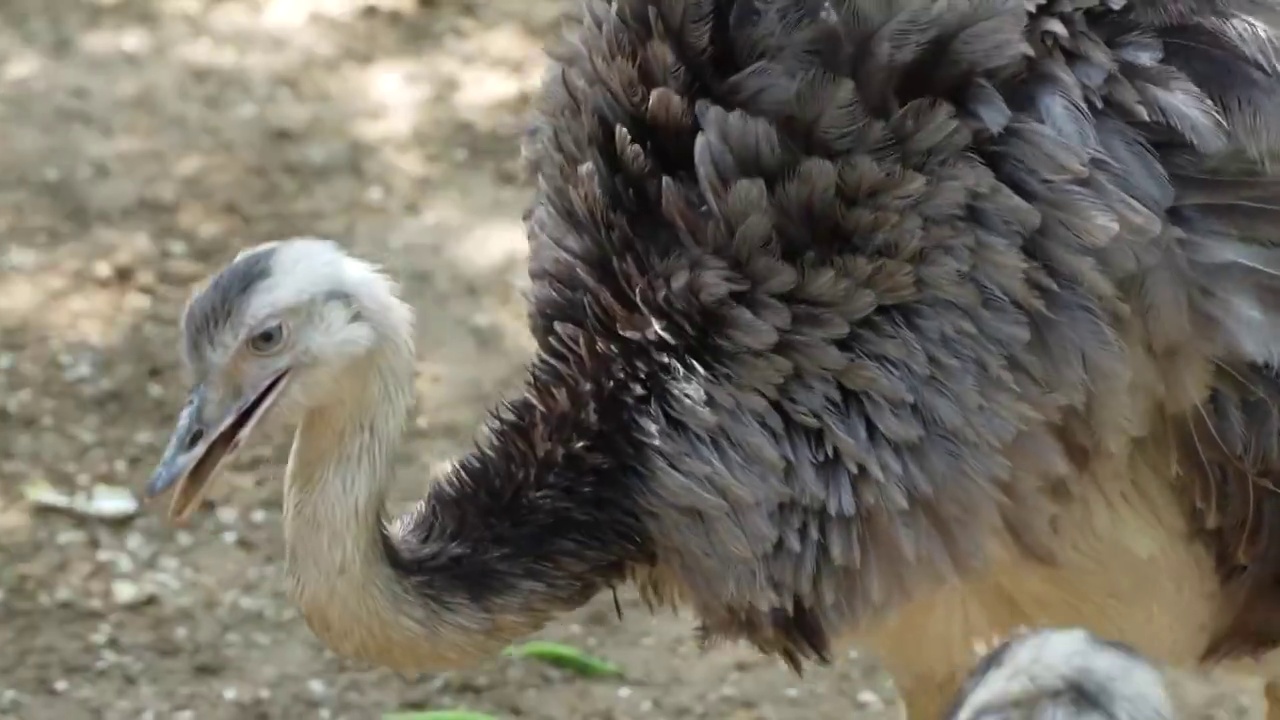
[[437, 715], [565, 656]]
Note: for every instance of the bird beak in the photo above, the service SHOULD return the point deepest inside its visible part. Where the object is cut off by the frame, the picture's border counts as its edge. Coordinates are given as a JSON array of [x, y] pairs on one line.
[[193, 454]]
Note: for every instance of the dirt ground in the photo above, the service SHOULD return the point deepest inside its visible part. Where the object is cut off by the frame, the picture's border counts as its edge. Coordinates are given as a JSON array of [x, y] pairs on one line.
[[144, 142]]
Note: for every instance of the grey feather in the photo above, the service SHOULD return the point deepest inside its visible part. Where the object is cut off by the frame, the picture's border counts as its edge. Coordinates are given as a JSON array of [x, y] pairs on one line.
[[216, 307]]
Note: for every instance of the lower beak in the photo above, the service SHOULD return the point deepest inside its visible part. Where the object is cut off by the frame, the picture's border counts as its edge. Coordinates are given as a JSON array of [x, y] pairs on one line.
[[192, 457]]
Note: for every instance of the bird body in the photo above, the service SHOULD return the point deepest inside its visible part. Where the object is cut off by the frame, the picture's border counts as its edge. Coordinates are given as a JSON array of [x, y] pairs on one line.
[[890, 322]]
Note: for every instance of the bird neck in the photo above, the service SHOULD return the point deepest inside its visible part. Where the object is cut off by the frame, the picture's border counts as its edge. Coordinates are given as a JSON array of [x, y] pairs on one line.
[[533, 523], [336, 484]]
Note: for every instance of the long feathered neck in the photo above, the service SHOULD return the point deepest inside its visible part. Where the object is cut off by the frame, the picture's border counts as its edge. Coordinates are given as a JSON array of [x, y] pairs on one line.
[[532, 523], [336, 483]]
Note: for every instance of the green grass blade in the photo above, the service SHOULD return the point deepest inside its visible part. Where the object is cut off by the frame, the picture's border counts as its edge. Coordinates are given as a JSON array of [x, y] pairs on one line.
[[437, 715], [564, 656]]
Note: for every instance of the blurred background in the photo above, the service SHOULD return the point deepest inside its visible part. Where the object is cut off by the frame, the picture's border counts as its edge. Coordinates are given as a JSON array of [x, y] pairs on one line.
[[142, 144]]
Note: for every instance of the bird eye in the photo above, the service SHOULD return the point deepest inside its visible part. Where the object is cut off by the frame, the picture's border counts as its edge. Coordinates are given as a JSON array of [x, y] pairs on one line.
[[267, 340]]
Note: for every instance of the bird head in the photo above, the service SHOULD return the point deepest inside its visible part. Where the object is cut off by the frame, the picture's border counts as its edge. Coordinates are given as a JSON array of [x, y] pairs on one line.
[[274, 333], [1065, 673]]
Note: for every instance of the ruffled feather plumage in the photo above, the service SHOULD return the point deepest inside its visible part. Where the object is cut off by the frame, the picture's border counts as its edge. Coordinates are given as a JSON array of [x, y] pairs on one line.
[[881, 243]]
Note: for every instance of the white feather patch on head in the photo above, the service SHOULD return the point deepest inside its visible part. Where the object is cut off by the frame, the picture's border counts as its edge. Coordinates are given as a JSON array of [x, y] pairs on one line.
[[1039, 665], [305, 267]]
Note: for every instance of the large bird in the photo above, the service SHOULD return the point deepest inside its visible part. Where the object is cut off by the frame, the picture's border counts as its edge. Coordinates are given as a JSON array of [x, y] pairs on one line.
[[892, 322]]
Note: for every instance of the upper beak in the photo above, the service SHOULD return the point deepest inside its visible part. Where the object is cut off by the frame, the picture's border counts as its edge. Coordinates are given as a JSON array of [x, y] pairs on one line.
[[196, 450]]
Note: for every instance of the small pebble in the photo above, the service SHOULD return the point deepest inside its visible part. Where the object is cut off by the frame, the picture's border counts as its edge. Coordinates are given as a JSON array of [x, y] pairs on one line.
[[868, 699], [127, 592], [70, 537], [8, 698]]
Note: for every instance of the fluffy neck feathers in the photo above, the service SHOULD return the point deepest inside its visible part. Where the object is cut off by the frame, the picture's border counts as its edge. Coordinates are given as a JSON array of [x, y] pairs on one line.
[[533, 523]]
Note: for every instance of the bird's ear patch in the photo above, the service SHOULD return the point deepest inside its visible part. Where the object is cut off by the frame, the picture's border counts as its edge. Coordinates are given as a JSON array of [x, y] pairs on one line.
[[345, 299]]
